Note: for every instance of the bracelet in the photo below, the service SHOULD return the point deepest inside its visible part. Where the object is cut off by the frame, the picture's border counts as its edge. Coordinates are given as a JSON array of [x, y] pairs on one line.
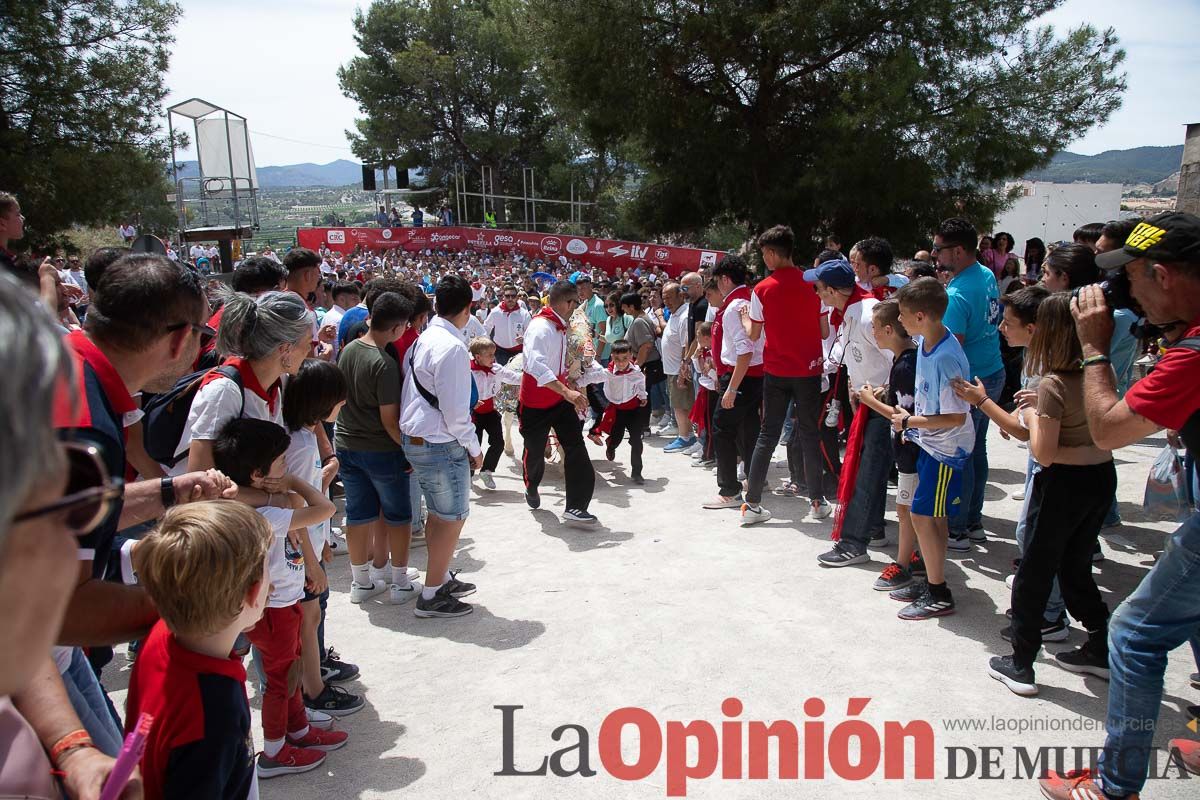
[[1087, 362], [328, 458], [166, 491], [72, 740], [979, 405]]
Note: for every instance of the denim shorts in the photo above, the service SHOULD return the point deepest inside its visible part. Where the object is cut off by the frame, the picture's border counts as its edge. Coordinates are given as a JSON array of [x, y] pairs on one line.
[[375, 482], [443, 469]]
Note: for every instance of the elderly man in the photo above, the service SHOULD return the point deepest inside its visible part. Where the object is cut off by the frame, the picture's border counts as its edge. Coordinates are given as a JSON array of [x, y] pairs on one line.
[[674, 346]]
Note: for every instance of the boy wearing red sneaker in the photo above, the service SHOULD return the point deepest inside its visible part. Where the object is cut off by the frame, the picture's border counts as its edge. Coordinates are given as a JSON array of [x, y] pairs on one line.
[[252, 453]]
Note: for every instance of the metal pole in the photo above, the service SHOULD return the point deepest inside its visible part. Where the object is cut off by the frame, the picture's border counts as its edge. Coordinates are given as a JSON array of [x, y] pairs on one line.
[[250, 175], [175, 177], [237, 216], [524, 198], [533, 198]]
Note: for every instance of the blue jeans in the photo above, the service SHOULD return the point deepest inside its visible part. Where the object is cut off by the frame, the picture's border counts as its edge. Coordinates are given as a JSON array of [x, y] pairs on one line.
[[865, 512], [375, 482], [1162, 613], [1055, 605], [91, 705], [975, 474], [444, 471]]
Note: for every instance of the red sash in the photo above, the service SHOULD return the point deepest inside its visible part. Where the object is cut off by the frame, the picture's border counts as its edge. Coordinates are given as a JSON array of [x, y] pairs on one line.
[[536, 396]]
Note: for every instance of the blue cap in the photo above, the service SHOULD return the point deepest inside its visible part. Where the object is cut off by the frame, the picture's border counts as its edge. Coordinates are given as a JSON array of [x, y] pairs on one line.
[[835, 274]]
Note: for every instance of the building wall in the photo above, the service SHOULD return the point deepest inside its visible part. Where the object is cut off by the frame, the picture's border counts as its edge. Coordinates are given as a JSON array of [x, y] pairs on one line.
[[1188, 197], [1052, 211]]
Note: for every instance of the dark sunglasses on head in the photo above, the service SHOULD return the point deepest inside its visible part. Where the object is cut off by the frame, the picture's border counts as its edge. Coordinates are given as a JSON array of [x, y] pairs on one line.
[[90, 492]]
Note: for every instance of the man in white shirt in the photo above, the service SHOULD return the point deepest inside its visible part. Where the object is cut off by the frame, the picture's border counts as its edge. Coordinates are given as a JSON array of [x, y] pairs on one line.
[[345, 297], [197, 251], [673, 344], [548, 403], [440, 441], [865, 363], [128, 232], [739, 362], [507, 324]]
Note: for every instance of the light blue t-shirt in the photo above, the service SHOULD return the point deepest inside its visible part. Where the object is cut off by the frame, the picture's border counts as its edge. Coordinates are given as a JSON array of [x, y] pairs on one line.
[[974, 314], [1123, 348], [935, 369]]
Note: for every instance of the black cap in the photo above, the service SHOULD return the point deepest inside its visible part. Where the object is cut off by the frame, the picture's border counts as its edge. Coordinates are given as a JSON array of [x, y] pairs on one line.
[[1166, 237]]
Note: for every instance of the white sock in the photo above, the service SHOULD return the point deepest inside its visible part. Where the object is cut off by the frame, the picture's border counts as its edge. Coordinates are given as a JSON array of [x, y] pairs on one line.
[[272, 747], [382, 573], [447, 577], [361, 574], [429, 591], [300, 734], [400, 577]]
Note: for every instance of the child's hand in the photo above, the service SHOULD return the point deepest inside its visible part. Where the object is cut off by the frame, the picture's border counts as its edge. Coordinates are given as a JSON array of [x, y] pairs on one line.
[[642, 402], [898, 419], [315, 580], [973, 393], [276, 485], [866, 392], [1026, 398], [329, 471], [881, 393], [326, 553]]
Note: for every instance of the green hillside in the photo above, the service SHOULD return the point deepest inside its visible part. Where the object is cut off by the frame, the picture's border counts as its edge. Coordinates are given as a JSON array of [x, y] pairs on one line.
[[1139, 165]]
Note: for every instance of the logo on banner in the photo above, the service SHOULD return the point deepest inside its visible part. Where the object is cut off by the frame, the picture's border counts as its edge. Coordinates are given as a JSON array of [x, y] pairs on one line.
[[386, 233], [662, 255], [441, 237], [551, 245], [335, 237], [638, 253], [708, 259], [577, 247], [504, 238]]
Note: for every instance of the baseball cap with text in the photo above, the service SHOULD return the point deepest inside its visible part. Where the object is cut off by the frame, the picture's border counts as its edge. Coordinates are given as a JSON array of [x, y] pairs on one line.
[[1165, 238]]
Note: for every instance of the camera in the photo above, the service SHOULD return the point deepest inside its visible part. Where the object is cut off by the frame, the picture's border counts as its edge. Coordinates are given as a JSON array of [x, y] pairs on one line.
[[1115, 289]]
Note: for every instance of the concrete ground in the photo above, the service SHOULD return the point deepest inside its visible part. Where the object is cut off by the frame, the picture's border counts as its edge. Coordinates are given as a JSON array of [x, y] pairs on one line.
[[673, 609]]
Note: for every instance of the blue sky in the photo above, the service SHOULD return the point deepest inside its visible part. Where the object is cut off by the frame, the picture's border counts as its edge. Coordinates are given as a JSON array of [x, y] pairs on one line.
[[227, 50]]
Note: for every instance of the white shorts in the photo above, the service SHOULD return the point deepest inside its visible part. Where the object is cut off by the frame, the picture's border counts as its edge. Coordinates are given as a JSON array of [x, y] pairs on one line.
[[906, 488]]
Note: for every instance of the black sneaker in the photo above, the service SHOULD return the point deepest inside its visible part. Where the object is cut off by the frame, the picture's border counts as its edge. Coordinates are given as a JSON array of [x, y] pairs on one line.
[[1057, 631], [1084, 661], [841, 556], [878, 538], [533, 498], [917, 566], [1193, 712], [335, 670], [976, 533], [958, 543], [910, 593], [927, 607], [442, 604], [335, 701], [1018, 679], [577, 516], [610, 452], [892, 578], [638, 480], [1195, 679], [458, 588]]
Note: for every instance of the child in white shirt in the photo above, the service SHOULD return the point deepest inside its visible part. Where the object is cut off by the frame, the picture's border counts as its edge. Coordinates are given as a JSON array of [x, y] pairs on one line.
[[625, 388], [488, 377]]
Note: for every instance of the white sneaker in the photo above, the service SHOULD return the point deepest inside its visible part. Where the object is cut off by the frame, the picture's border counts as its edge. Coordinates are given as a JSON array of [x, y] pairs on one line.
[[359, 593], [667, 430], [383, 573], [399, 595], [1019, 494], [338, 546], [318, 719], [487, 480], [335, 531], [1009, 580], [751, 516], [692, 449], [821, 509], [698, 453]]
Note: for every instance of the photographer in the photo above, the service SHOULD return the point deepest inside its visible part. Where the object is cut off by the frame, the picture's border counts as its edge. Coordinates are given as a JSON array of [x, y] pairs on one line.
[[1160, 264]]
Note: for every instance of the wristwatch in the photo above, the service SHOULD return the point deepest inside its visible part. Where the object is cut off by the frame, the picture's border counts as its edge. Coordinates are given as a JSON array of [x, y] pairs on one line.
[[904, 422], [166, 490]]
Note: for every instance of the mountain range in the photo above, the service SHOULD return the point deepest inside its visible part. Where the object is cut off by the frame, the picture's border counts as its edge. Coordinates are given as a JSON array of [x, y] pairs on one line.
[[1137, 165]]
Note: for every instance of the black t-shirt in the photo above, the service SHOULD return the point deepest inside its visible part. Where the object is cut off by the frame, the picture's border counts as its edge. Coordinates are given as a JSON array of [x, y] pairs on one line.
[[902, 392], [697, 311]]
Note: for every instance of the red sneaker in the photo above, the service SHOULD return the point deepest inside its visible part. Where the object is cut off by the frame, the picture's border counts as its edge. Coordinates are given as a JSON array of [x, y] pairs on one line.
[[317, 739], [1189, 751], [289, 760], [1076, 784]]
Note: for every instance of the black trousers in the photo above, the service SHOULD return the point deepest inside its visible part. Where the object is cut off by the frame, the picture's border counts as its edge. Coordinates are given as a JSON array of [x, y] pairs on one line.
[[633, 420], [1067, 506], [805, 394], [536, 424], [490, 421], [710, 441], [736, 430], [503, 356]]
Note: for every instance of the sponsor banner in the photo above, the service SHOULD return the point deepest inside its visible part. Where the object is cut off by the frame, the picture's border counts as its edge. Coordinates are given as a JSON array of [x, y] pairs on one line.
[[607, 254]]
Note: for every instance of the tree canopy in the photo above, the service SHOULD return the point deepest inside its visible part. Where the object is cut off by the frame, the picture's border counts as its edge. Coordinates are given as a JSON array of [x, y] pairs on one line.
[[81, 91], [855, 116]]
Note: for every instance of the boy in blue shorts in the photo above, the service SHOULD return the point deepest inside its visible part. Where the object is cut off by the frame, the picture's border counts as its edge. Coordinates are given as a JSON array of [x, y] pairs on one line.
[[941, 426]]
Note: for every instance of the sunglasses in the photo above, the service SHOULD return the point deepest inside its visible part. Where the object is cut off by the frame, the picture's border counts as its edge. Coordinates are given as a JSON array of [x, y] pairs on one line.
[[203, 330], [90, 494], [937, 248]]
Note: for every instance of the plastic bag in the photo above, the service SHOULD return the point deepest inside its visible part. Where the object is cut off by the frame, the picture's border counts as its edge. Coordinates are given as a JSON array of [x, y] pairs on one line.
[[1166, 494]]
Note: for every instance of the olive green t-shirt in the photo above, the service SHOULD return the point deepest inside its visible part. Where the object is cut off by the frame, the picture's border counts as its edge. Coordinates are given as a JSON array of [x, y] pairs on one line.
[[373, 380]]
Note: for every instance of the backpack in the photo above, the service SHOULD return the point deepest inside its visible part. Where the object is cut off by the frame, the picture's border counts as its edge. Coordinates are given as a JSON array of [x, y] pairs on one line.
[[166, 414]]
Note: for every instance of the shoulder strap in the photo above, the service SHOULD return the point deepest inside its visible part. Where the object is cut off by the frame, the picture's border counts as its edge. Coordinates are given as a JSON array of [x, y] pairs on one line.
[[234, 374], [412, 372], [1188, 343]]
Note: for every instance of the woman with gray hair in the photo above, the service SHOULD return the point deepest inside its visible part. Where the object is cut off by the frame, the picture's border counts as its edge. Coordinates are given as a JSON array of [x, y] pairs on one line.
[[49, 495], [265, 338]]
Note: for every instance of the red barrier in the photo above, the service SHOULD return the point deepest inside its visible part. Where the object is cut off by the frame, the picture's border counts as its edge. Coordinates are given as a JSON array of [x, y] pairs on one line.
[[607, 254]]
